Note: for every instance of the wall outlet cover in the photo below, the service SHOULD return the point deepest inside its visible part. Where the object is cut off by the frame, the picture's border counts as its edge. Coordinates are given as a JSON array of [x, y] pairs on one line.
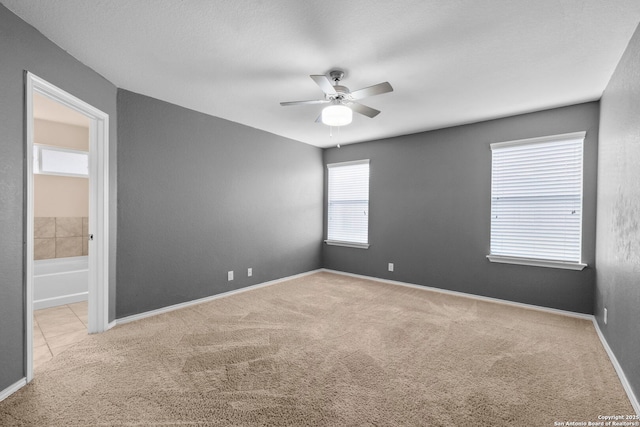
[[249, 272], [230, 276], [605, 316], [390, 266]]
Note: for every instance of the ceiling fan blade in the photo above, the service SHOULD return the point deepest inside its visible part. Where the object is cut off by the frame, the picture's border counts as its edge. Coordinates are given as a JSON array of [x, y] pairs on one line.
[[378, 89], [324, 83], [316, 101], [363, 109]]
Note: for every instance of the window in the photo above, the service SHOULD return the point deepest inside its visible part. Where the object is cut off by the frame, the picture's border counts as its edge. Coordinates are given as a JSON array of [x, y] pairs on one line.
[[536, 201], [348, 204], [60, 161]]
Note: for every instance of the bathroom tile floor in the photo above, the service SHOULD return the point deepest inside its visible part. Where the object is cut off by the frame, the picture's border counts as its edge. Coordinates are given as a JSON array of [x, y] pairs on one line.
[[56, 328]]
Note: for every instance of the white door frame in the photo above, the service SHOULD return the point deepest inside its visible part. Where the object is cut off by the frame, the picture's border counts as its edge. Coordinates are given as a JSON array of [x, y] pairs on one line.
[[98, 304]]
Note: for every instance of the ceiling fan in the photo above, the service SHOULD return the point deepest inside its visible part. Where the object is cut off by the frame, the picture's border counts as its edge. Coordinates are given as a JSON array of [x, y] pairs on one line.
[[342, 101]]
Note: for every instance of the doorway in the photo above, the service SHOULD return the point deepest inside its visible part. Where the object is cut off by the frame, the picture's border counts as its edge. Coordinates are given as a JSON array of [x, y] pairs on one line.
[[97, 236]]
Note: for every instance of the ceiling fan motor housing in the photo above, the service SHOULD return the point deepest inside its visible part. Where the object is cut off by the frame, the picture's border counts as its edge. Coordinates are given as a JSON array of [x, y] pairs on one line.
[[342, 91]]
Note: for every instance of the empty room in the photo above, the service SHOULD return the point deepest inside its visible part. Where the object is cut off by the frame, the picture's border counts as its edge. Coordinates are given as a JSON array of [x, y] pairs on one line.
[[335, 213]]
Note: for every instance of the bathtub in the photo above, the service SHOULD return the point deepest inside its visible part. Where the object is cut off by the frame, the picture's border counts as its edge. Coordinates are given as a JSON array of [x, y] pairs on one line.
[[60, 281]]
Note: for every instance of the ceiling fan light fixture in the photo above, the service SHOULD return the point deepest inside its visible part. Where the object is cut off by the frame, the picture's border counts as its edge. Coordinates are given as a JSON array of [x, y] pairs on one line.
[[337, 115]]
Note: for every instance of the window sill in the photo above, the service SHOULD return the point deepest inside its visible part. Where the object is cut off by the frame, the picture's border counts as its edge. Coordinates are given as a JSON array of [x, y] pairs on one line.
[[537, 262], [347, 244]]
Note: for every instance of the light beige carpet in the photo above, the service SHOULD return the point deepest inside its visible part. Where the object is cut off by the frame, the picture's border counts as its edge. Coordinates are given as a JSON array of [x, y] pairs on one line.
[[329, 350]]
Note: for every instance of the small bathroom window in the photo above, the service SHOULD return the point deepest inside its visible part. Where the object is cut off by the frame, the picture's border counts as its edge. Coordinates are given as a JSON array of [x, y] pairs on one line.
[[49, 160]]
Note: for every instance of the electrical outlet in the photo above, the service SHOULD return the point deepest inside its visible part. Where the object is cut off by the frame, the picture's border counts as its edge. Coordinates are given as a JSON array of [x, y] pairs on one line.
[[249, 272], [230, 276], [390, 266], [605, 315]]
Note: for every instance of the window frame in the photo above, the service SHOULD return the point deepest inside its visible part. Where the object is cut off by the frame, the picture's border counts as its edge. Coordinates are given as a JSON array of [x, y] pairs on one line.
[[37, 160], [345, 243], [562, 264]]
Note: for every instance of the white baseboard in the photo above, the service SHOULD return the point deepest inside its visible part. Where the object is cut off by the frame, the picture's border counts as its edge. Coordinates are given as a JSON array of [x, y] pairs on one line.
[[12, 389], [466, 295], [139, 316], [623, 379], [618, 368], [61, 300]]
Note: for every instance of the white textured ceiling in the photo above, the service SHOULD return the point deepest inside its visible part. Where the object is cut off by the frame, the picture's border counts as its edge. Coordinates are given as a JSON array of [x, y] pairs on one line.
[[449, 61]]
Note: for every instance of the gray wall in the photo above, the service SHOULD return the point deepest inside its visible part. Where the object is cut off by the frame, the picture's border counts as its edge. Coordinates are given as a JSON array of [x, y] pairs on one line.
[[200, 196], [618, 228], [430, 211], [23, 48]]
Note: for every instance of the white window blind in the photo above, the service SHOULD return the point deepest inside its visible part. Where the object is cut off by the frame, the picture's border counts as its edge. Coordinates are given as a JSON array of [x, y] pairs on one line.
[[348, 203], [536, 199]]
